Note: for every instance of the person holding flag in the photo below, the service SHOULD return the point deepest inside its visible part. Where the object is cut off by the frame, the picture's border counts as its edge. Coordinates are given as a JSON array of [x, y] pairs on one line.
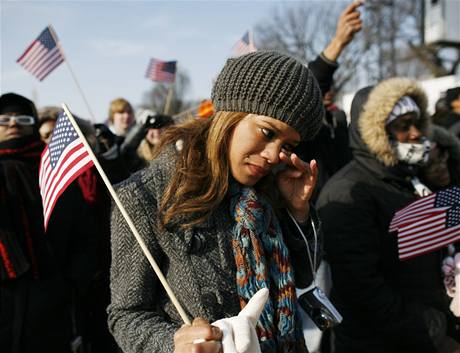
[[389, 303], [226, 218], [35, 294]]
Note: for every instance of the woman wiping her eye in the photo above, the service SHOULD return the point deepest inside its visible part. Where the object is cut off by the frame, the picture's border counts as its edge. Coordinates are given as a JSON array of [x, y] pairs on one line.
[[210, 215]]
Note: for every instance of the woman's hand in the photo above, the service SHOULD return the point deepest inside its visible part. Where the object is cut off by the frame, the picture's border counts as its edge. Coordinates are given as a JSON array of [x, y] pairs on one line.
[[208, 338], [296, 184]]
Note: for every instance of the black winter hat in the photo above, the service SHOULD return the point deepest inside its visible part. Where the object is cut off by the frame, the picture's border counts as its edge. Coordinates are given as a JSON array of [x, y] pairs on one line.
[[271, 84], [14, 103]]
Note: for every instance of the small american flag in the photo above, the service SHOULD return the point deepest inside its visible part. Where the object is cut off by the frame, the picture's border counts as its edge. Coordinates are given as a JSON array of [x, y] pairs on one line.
[[62, 161], [161, 71], [43, 54], [428, 224], [245, 45]]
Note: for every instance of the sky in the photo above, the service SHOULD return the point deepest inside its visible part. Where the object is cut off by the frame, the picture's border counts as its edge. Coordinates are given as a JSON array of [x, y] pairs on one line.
[[108, 45]]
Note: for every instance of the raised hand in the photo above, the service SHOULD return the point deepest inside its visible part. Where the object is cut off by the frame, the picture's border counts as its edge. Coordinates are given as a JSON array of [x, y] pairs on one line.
[[297, 183], [348, 24]]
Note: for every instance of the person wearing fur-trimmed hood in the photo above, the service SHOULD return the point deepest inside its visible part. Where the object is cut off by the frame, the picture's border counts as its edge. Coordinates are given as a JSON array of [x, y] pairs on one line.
[[387, 305]]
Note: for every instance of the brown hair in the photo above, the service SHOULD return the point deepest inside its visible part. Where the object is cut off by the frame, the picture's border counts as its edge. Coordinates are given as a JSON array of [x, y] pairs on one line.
[[201, 180], [119, 105]]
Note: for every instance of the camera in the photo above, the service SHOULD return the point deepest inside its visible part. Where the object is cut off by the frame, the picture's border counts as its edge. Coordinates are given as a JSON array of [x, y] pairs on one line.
[[319, 308]]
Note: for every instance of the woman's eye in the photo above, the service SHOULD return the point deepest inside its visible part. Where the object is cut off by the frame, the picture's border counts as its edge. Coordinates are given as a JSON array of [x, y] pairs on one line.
[[268, 133]]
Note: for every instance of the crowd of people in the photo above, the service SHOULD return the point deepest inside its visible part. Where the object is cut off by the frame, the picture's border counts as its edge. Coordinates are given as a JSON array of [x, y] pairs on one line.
[[251, 214]]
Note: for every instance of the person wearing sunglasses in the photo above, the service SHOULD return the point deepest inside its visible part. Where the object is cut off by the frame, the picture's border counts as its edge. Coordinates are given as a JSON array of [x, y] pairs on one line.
[[16, 122], [34, 297]]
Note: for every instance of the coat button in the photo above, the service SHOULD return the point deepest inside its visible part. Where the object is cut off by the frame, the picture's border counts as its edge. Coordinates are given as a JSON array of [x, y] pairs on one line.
[[197, 244], [209, 299]]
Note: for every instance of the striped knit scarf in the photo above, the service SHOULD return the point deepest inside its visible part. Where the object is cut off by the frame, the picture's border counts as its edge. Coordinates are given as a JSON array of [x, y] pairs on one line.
[[262, 260]]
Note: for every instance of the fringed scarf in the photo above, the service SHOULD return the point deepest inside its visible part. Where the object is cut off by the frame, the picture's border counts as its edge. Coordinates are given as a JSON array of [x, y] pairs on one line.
[[21, 222], [262, 260]]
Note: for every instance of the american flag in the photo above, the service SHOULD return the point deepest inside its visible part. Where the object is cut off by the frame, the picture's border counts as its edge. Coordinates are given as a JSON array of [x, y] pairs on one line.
[[428, 224], [62, 161], [161, 71], [43, 54], [245, 45]]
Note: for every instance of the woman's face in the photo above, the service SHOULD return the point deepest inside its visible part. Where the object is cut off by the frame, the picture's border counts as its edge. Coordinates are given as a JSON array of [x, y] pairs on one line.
[[255, 147], [10, 129], [122, 121], [153, 136], [405, 129], [46, 130]]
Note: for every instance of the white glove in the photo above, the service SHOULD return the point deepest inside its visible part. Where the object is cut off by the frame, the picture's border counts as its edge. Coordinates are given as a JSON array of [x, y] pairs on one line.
[[239, 332]]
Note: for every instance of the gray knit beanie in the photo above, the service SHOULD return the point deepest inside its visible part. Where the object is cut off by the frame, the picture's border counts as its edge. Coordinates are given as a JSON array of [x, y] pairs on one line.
[[271, 84]]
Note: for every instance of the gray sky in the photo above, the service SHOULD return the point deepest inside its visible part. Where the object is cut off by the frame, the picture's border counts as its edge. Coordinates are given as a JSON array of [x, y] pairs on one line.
[[109, 43]]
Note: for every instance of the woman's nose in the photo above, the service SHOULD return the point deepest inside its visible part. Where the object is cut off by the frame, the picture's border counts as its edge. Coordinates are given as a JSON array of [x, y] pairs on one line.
[[13, 121], [414, 133], [271, 153]]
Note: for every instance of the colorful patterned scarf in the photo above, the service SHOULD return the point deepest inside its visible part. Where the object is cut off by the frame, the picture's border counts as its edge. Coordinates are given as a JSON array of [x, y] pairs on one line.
[[262, 260]]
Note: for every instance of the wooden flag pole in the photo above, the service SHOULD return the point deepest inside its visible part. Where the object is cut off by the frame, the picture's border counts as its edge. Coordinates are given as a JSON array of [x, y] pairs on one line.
[[169, 100], [128, 219], [53, 34]]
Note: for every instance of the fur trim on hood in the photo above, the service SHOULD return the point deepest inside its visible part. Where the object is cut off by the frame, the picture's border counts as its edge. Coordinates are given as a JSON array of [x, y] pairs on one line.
[[379, 105]]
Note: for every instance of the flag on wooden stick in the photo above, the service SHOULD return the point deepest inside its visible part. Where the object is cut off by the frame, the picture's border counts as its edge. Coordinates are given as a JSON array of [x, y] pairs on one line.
[[161, 71], [43, 55], [62, 161]]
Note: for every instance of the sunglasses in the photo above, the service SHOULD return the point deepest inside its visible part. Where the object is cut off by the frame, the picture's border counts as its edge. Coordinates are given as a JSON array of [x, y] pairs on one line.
[[19, 119]]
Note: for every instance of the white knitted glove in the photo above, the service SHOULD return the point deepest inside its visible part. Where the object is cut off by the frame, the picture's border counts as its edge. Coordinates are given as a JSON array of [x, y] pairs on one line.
[[239, 333]]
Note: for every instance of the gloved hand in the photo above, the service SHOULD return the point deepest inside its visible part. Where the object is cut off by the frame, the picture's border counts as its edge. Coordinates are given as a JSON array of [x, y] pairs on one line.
[[239, 333]]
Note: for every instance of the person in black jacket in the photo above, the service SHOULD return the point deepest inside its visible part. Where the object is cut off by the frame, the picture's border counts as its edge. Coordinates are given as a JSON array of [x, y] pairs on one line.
[[35, 300], [330, 148], [388, 305]]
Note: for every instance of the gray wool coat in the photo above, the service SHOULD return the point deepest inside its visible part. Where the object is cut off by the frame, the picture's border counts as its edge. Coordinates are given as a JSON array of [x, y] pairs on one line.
[[198, 264]]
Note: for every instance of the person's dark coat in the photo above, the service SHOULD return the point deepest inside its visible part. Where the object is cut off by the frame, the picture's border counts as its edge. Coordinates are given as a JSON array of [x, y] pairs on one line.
[[330, 147], [448, 141], [451, 122], [42, 275], [388, 305], [34, 302]]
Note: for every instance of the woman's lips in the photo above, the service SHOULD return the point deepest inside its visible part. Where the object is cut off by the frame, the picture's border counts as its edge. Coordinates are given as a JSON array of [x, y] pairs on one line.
[[257, 171]]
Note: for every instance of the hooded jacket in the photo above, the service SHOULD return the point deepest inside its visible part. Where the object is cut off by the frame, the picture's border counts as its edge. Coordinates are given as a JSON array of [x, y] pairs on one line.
[[388, 305]]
